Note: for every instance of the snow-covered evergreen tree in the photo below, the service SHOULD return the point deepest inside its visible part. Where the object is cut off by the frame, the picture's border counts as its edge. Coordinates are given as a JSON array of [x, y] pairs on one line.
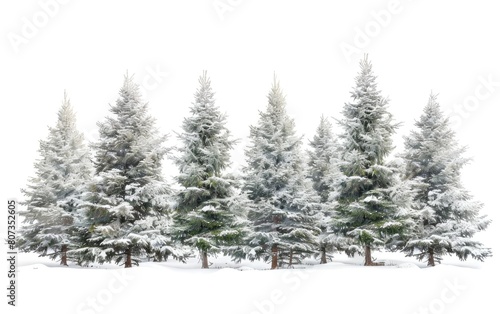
[[366, 211], [323, 170], [204, 217], [323, 157], [283, 205], [53, 194], [126, 202], [446, 214]]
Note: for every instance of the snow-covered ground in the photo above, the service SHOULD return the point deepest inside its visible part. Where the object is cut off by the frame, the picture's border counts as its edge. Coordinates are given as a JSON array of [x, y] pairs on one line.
[[341, 286]]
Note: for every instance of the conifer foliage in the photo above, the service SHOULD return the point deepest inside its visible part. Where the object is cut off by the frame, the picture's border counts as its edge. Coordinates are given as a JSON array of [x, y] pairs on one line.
[[126, 201], [323, 170], [346, 196], [204, 219], [54, 193], [446, 214], [283, 206], [365, 211], [323, 159]]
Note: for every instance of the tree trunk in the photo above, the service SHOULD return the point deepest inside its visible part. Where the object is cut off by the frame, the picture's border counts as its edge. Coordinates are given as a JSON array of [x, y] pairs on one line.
[[128, 258], [368, 256], [274, 255], [204, 259], [274, 248], [290, 260], [64, 258], [430, 262], [323, 255]]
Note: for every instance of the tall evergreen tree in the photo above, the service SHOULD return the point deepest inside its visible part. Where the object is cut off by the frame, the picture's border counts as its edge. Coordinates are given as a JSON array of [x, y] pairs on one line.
[[283, 206], [446, 214], [53, 195], [366, 211], [126, 202], [204, 218]]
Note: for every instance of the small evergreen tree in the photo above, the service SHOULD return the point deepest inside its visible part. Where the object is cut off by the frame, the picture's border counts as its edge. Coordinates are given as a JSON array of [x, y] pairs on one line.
[[447, 217], [204, 218], [322, 159], [284, 207], [323, 170], [54, 193], [366, 211], [125, 204]]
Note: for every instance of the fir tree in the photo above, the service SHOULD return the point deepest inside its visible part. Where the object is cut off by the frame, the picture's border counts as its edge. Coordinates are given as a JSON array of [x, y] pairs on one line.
[[126, 202], [204, 218], [54, 194], [283, 209], [446, 214], [323, 170], [366, 211]]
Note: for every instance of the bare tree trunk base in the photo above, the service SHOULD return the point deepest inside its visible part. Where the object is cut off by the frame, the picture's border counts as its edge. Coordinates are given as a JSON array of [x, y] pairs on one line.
[[204, 259], [274, 253], [128, 260], [64, 257], [431, 261], [323, 256], [368, 258]]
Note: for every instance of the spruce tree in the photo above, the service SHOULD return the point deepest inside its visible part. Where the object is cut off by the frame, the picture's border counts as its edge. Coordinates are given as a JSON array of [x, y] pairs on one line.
[[125, 204], [323, 157], [323, 170], [366, 212], [447, 216], [54, 193], [283, 206], [204, 218]]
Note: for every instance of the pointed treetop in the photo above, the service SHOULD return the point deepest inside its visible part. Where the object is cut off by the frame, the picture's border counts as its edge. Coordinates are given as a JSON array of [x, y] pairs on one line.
[[276, 99], [432, 99], [365, 81], [366, 64], [432, 108], [66, 118], [324, 124], [276, 88], [65, 99], [130, 87], [366, 68], [433, 116], [204, 80], [323, 132], [204, 94]]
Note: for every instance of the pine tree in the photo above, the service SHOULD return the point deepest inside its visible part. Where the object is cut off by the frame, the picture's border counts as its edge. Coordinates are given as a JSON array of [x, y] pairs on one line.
[[284, 207], [446, 214], [126, 202], [204, 217], [366, 211], [54, 194], [323, 170]]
